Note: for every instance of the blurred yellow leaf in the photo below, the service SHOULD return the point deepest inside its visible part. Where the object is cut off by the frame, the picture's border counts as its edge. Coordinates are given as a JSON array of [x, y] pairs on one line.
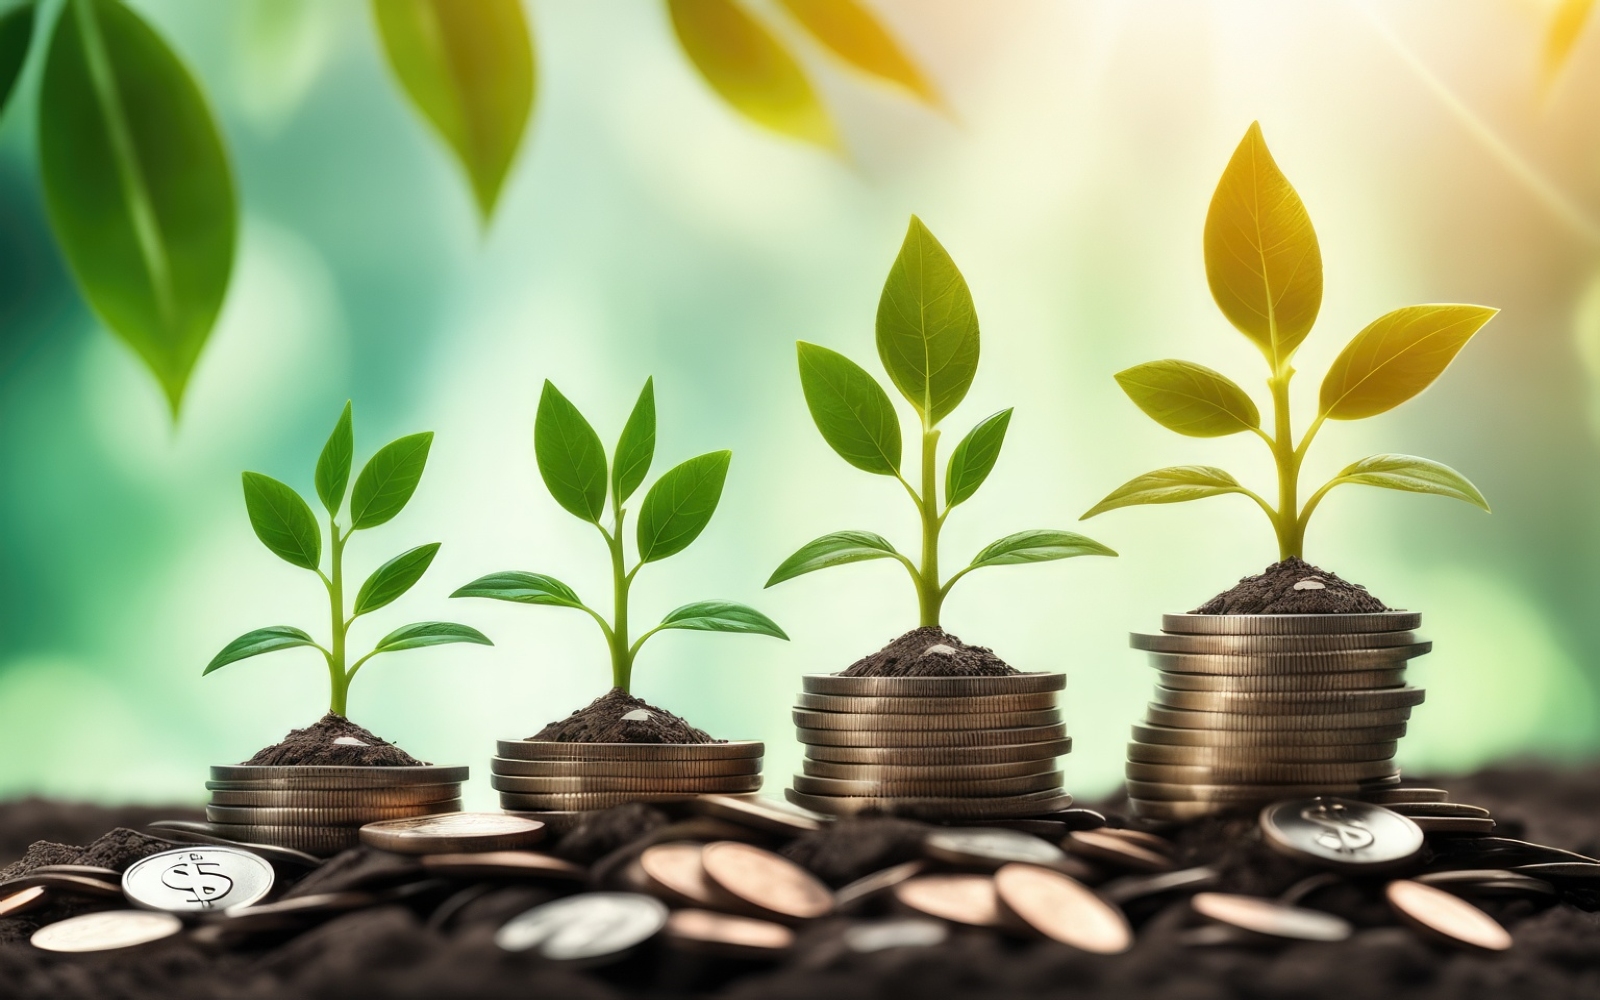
[[1565, 26], [1398, 355], [749, 69], [855, 35]]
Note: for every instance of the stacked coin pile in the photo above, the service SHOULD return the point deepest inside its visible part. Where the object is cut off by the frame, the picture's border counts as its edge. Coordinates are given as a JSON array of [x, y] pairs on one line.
[[556, 781], [319, 809], [942, 748], [1254, 708]]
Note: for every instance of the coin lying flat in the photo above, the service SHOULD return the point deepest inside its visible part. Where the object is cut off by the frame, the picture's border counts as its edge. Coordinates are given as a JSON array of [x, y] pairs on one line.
[[675, 872], [1561, 870], [1396, 796], [1286, 663], [582, 801], [333, 816], [772, 884], [106, 931], [453, 833], [938, 687], [985, 848], [319, 840], [876, 884], [758, 814], [858, 721], [999, 807], [547, 786], [198, 878], [724, 934], [1310, 737], [428, 774], [1340, 832], [552, 750], [962, 899], [587, 927], [1254, 644], [941, 756], [404, 795], [929, 738], [1155, 715], [1346, 680], [1106, 845], [61, 882], [1291, 701], [1158, 791], [22, 900], [1445, 916], [1062, 909], [948, 773], [1382, 621], [990, 704], [1131, 887], [957, 789], [1349, 753], [654, 769], [1265, 916], [1262, 774], [503, 865], [1489, 882]]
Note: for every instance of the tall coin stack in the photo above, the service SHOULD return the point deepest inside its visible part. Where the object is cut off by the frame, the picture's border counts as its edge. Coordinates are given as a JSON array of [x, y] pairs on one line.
[[320, 809], [1255, 708], [939, 748], [556, 781]]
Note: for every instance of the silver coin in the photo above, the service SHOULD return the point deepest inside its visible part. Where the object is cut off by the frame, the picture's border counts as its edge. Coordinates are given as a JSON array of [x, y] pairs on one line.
[[626, 768], [348, 786], [1214, 756], [330, 816], [1341, 832], [946, 773], [1252, 644], [582, 801], [1261, 773], [373, 776], [929, 738], [981, 848], [1382, 621], [553, 750], [904, 932], [1287, 663], [1047, 751], [1174, 736], [322, 841], [981, 704], [106, 931], [404, 795], [1156, 715], [190, 832], [197, 879], [546, 786], [1346, 680], [586, 927], [999, 807], [857, 721], [938, 687], [1303, 702], [955, 789]]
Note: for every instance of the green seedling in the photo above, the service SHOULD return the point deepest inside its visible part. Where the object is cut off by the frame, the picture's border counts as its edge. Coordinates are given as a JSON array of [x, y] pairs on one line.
[[572, 462], [928, 342], [285, 524], [1265, 271]]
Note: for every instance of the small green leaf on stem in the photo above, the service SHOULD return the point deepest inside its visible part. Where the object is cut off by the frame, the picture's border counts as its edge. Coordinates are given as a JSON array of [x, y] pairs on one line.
[[680, 504], [855, 35], [16, 34], [1174, 484], [1412, 475], [572, 461], [1189, 398], [927, 326], [420, 634], [522, 588], [1398, 355], [636, 448], [262, 640], [388, 479], [722, 616], [835, 549], [974, 458], [851, 410], [394, 578], [333, 465], [1037, 545], [282, 520]]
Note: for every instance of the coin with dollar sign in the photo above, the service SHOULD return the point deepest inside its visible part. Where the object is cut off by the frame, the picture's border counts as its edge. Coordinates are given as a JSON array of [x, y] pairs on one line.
[[1340, 833], [197, 878]]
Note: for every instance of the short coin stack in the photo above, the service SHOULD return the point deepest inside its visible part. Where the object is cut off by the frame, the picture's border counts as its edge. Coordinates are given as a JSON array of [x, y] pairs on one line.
[[319, 809], [555, 781], [941, 748], [1255, 708]]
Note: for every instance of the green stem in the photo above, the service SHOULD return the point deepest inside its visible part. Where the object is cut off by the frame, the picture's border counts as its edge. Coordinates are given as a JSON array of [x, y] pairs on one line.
[[1290, 529], [930, 598], [621, 580], [341, 681]]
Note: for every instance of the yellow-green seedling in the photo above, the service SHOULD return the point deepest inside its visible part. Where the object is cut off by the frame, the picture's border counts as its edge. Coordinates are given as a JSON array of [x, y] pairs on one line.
[[573, 464], [928, 343], [1265, 271], [285, 524]]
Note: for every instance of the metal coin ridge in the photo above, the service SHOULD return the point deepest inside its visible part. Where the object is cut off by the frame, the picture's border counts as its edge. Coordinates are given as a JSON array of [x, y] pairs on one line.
[[916, 687], [1382, 621]]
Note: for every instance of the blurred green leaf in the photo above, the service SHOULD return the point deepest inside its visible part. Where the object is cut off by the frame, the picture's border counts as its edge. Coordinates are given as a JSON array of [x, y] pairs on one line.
[[927, 326], [1189, 398], [855, 35], [262, 640], [421, 634], [1411, 475], [333, 465], [680, 504], [1398, 355], [722, 616], [389, 478], [571, 458], [749, 69], [1037, 545], [282, 520], [974, 458], [16, 35], [468, 66], [834, 549], [137, 185], [522, 588], [394, 578], [1174, 484], [636, 448], [850, 409]]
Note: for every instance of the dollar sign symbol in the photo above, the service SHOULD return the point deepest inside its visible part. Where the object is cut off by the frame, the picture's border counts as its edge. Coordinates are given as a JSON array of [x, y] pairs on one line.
[[199, 879], [1339, 832]]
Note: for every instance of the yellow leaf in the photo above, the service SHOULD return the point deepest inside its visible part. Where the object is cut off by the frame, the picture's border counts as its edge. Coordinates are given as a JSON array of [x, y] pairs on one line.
[[1566, 25], [1398, 355], [1262, 258], [855, 35]]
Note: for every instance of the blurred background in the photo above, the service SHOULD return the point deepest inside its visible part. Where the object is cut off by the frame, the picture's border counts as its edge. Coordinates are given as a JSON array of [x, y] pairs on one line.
[[1063, 152]]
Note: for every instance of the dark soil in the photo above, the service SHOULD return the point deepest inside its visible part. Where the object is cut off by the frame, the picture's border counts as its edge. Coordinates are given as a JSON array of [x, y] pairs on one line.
[[315, 745], [930, 651], [1273, 593], [849, 849], [602, 722], [115, 850]]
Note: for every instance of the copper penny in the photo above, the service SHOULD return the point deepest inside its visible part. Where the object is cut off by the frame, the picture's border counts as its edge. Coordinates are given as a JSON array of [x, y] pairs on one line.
[[1266, 916], [765, 880], [1063, 909], [676, 868], [964, 899], [1442, 915], [726, 934], [22, 901], [1105, 845]]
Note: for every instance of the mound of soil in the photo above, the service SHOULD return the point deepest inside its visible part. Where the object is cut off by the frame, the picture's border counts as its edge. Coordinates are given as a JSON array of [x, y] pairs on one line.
[[605, 720], [930, 651], [319, 744], [1293, 587], [115, 850]]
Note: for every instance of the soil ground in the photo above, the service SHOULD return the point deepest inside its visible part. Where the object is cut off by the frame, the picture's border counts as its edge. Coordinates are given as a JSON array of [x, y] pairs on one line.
[[1292, 587], [930, 651], [604, 720]]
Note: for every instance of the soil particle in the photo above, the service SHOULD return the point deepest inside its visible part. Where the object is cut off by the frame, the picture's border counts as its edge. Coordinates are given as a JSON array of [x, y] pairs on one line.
[[848, 849], [599, 833], [607, 720], [930, 651], [317, 744], [1292, 587]]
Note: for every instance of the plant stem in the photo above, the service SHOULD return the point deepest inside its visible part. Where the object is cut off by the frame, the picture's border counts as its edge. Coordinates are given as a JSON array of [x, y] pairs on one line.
[[929, 595], [1287, 523], [621, 655], [336, 674]]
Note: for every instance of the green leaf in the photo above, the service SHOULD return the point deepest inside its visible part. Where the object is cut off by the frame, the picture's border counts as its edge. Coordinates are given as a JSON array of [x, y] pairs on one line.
[[1174, 484], [835, 549], [722, 616], [282, 521], [636, 448], [680, 505], [333, 465], [1037, 545], [522, 588], [394, 578], [974, 458], [851, 410], [853, 34], [262, 640], [388, 479], [1411, 475], [1262, 257], [137, 185], [750, 70], [468, 66], [571, 458], [1398, 355], [16, 34], [927, 326], [420, 634], [1189, 398]]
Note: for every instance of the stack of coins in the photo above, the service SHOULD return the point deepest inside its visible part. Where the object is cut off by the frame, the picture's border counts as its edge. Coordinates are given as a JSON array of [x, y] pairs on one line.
[[1255, 708], [556, 782], [320, 809], [939, 748]]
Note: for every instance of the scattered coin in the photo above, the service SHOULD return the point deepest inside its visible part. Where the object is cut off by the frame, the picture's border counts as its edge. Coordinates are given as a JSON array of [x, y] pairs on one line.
[[905, 932], [1257, 644], [552, 750], [315, 816], [1265, 916], [106, 931], [1488, 882], [723, 934], [453, 833], [929, 738], [198, 878], [759, 814], [547, 786], [989, 849], [22, 900], [74, 885], [1340, 832], [1215, 756], [1105, 845], [1346, 680], [963, 899], [1382, 621], [1327, 702], [657, 769], [1000, 807], [1445, 916], [1062, 909], [1155, 715], [1562, 870], [1454, 824], [1499, 852], [1307, 737], [190, 832], [1262, 773], [917, 687], [1044, 781], [861, 721], [1397, 796], [586, 927], [874, 885], [403, 795], [366, 776], [290, 913], [942, 756], [1131, 887], [675, 871], [772, 884], [502, 865]]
